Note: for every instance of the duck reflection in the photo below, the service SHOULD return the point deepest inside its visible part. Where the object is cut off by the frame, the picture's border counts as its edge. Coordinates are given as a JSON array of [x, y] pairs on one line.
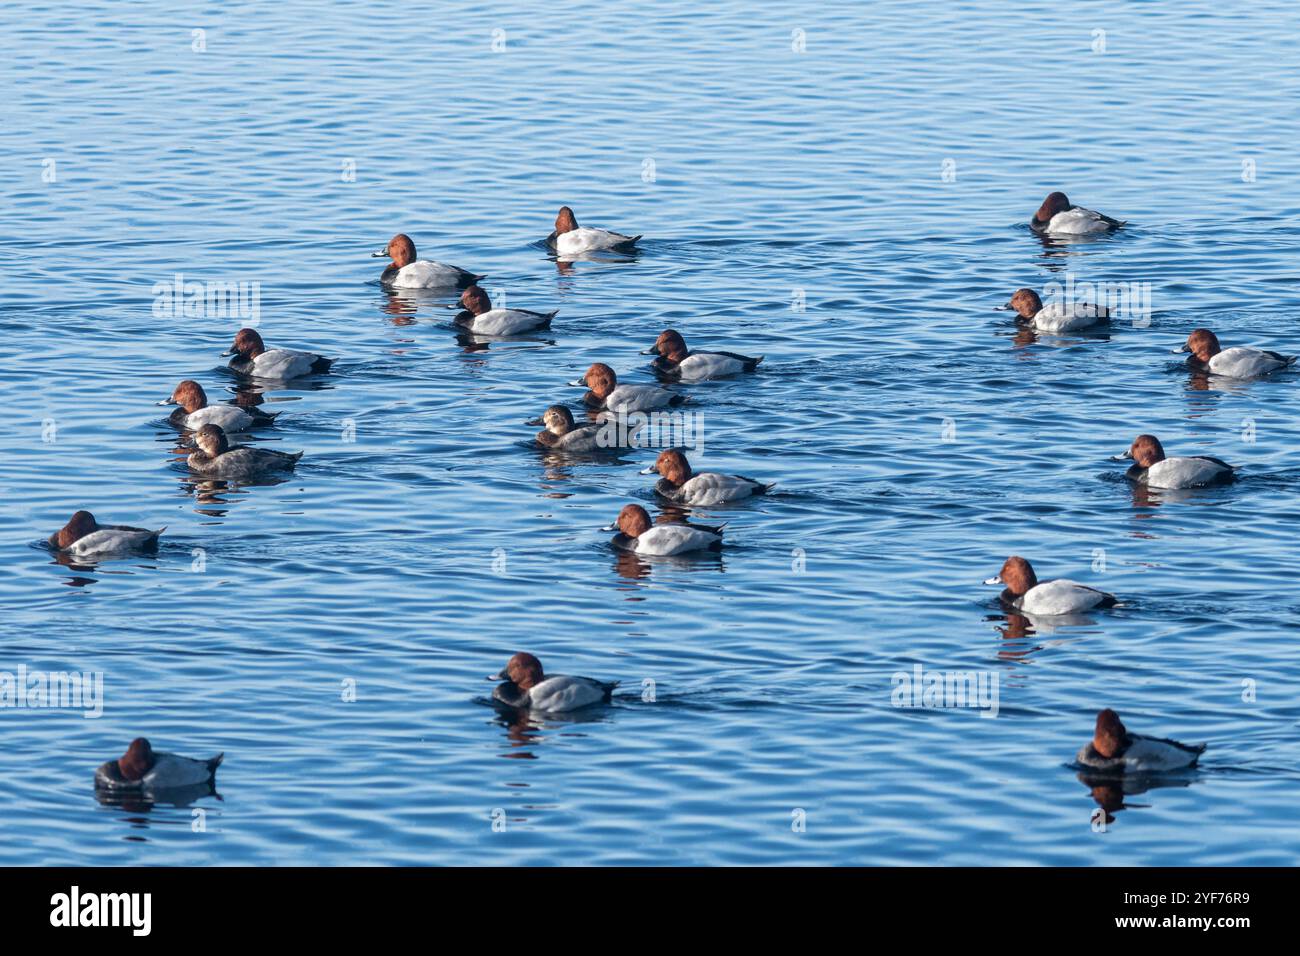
[[215, 493], [632, 566], [526, 730], [402, 306], [143, 802], [564, 265], [1144, 497], [1019, 632], [1109, 790]]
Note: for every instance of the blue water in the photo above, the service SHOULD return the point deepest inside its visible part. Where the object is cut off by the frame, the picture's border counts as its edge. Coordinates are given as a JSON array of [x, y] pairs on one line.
[[884, 177]]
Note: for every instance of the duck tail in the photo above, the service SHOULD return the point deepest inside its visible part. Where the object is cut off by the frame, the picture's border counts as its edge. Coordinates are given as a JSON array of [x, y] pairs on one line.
[[215, 762]]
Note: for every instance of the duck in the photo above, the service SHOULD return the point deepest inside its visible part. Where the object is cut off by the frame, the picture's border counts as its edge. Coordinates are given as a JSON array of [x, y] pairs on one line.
[[253, 358], [527, 687], [605, 392], [1057, 317], [677, 364], [677, 483], [1237, 362], [571, 239], [1150, 467], [195, 412], [1058, 216], [83, 535], [480, 318], [215, 458], [637, 533], [560, 433], [1114, 749], [408, 272], [143, 768], [1024, 593]]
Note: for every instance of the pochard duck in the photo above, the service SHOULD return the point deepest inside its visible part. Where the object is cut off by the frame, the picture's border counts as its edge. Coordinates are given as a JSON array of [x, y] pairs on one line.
[[215, 457], [143, 768], [1058, 216], [561, 433], [678, 483], [252, 357], [408, 272], [1152, 468], [1240, 361], [605, 392], [83, 535], [195, 412], [1113, 748], [677, 364], [1023, 592], [479, 317], [571, 239], [637, 533], [526, 686], [1058, 316]]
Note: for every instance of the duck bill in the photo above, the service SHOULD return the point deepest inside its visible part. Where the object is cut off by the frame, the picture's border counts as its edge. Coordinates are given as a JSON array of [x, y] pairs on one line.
[[1122, 457], [650, 351], [652, 470], [996, 579], [579, 383], [382, 253], [166, 401], [1181, 349], [609, 527], [500, 675], [535, 421], [229, 352], [1002, 308]]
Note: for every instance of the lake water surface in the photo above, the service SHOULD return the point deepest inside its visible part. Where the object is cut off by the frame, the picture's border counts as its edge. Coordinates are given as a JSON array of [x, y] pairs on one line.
[[842, 188]]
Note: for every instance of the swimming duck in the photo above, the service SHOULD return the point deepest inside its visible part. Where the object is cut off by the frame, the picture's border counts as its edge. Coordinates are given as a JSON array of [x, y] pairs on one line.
[[561, 434], [1024, 593], [636, 533], [143, 768], [571, 239], [195, 412], [1057, 317], [527, 687], [215, 458], [1237, 362], [1113, 748], [605, 392], [1058, 216], [677, 364], [82, 535], [408, 272], [1153, 469], [480, 318], [677, 483], [253, 358]]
